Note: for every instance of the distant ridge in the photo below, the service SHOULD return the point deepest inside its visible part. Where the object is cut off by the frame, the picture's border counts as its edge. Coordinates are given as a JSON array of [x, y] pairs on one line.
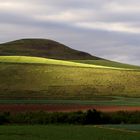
[[43, 48]]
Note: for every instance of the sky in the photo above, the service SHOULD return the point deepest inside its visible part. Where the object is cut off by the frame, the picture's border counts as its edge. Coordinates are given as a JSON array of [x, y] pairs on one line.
[[105, 28]]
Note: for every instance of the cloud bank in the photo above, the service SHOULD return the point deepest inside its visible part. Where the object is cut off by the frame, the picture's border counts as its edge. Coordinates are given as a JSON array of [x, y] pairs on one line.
[[105, 28]]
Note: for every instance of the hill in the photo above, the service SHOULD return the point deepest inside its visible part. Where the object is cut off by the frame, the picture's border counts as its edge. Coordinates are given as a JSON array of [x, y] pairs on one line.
[[43, 48], [36, 78], [45, 69], [54, 50]]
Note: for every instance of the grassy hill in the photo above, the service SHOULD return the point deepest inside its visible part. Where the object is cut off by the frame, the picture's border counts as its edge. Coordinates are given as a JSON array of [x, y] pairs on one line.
[[43, 48], [28, 71], [31, 77], [51, 49]]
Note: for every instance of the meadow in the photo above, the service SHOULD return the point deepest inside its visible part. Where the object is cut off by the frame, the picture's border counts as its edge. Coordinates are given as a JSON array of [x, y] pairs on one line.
[[64, 132]]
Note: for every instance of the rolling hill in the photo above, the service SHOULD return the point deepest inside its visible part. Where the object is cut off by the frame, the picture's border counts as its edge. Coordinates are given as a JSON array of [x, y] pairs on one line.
[[43, 48], [54, 50], [33, 77]]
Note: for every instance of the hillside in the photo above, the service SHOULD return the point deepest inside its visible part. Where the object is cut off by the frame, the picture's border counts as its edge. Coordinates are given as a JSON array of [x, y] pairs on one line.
[[107, 63], [28, 70], [54, 50], [43, 48], [40, 60], [26, 78]]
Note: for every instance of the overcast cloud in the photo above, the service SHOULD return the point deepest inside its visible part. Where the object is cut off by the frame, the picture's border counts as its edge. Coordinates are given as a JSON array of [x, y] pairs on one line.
[[105, 28]]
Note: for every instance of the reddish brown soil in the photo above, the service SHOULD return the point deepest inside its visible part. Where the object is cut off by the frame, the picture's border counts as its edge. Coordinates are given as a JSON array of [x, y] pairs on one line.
[[62, 108]]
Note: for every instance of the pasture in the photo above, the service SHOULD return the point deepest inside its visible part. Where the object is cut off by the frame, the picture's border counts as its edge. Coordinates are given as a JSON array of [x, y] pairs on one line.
[[64, 132]]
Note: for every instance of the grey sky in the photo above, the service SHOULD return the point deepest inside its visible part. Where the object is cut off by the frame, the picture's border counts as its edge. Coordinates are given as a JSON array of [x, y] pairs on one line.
[[105, 28]]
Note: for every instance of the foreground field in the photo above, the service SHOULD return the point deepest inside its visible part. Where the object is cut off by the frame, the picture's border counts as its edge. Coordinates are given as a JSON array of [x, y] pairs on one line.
[[64, 133]]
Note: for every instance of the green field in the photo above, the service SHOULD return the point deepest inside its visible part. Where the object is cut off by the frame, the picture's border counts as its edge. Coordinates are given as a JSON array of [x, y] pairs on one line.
[[26, 78], [99, 100], [39, 60], [60, 132]]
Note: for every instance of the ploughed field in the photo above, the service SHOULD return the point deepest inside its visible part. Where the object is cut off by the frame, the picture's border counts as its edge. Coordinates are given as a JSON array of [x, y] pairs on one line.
[[63, 108], [104, 104]]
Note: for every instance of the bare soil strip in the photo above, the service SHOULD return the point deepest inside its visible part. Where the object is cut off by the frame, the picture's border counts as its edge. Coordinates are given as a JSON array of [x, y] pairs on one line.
[[62, 108]]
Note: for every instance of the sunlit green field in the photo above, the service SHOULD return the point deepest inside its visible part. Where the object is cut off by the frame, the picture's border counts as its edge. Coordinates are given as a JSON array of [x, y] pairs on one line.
[[57, 79], [39, 60], [64, 133], [107, 63]]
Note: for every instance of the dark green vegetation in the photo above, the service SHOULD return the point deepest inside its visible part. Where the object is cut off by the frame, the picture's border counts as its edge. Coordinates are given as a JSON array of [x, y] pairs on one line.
[[52, 132], [42, 48], [82, 118]]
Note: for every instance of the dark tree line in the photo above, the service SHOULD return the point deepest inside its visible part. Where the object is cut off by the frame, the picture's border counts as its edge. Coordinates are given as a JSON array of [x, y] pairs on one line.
[[82, 118]]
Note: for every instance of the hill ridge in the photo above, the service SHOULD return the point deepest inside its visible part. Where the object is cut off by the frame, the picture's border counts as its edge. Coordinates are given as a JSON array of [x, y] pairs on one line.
[[43, 48]]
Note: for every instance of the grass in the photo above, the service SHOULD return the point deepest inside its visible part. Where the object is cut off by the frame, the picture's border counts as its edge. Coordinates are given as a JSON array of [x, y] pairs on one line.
[[61, 132], [26, 78], [39, 60], [107, 63]]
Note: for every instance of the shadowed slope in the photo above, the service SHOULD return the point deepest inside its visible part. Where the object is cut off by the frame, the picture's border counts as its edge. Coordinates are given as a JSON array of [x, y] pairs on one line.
[[43, 48]]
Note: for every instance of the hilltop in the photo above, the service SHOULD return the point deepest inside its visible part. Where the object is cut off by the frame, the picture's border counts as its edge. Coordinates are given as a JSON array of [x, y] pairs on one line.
[[54, 50], [43, 48]]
